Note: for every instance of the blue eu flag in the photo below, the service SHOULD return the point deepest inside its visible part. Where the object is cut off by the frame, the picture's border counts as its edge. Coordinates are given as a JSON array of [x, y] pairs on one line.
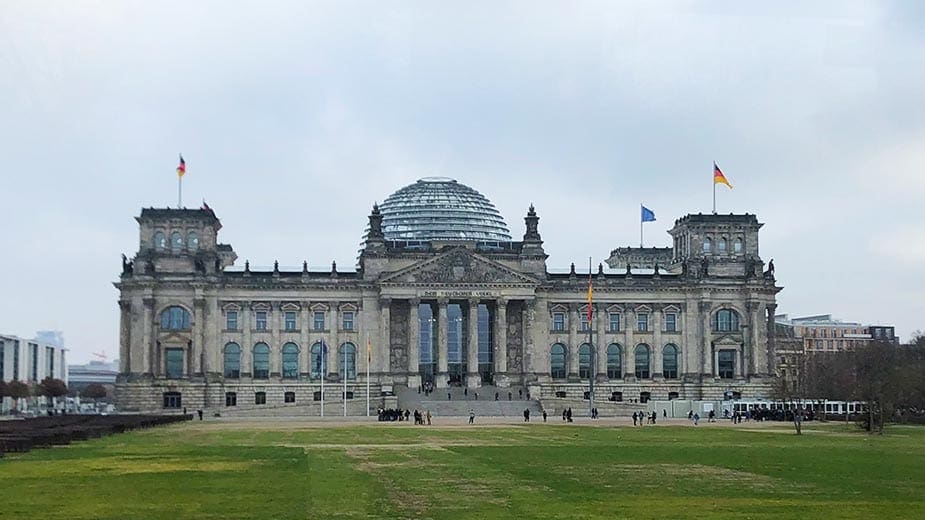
[[647, 214]]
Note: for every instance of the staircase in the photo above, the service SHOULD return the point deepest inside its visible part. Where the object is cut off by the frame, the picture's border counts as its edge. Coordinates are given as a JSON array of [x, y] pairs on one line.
[[456, 402]]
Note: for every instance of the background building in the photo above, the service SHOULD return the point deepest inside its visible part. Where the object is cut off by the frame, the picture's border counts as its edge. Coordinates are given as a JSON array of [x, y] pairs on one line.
[[32, 360], [441, 296], [822, 333]]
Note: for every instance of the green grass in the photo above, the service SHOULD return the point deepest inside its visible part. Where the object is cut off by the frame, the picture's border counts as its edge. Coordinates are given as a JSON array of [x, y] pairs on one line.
[[229, 471]]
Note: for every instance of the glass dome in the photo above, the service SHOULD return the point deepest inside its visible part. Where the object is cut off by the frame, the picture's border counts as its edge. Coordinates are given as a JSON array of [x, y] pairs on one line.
[[438, 208]]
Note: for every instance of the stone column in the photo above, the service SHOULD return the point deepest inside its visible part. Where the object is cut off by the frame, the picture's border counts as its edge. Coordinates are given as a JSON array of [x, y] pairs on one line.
[[385, 335], [333, 341], [148, 340], [274, 322], [305, 346], [214, 359], [414, 343], [198, 337], [247, 349], [532, 363], [125, 337], [766, 351], [657, 318], [601, 359], [629, 343], [708, 363], [473, 379], [573, 321], [442, 378], [500, 337]]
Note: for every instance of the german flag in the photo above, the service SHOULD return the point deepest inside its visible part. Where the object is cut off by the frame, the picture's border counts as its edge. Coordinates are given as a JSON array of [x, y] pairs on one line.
[[719, 178], [181, 168]]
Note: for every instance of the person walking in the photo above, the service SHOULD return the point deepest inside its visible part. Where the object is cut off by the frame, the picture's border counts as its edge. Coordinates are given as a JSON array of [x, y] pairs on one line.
[[471, 416], [634, 418], [199, 411], [544, 415], [526, 415], [428, 417]]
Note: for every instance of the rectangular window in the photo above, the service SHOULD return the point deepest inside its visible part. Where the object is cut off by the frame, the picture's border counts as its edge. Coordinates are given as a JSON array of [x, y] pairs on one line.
[[50, 359], [318, 321], [231, 399], [671, 322], [614, 322], [16, 360], [260, 398], [583, 327], [290, 320], [642, 322], [172, 400], [558, 321], [231, 320], [261, 320], [348, 320], [173, 363], [726, 361], [34, 349]]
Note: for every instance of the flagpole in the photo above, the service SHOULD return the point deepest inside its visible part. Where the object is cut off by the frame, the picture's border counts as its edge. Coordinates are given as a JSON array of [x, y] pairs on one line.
[[368, 355], [179, 192], [640, 227], [714, 187], [323, 355], [590, 343], [345, 378]]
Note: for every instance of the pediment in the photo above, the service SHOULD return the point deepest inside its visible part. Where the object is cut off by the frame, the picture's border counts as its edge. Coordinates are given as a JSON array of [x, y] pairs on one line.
[[458, 266], [728, 340]]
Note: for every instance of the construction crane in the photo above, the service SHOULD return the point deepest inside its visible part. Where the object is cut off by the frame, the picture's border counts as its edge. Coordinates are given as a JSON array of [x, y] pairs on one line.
[[101, 355]]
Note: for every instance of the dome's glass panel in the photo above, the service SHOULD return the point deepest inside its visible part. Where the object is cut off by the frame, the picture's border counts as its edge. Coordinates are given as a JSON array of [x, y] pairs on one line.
[[437, 208]]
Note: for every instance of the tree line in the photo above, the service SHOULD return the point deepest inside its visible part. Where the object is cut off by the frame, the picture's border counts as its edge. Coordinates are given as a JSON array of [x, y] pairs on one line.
[[889, 379]]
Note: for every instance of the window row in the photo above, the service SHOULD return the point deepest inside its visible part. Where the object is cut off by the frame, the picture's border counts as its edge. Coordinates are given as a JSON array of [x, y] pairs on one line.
[[289, 361], [290, 321], [231, 398], [177, 241], [178, 318], [615, 322], [642, 361], [722, 245]]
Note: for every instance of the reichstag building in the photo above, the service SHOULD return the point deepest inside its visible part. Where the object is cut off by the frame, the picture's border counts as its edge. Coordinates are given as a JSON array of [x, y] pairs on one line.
[[442, 296]]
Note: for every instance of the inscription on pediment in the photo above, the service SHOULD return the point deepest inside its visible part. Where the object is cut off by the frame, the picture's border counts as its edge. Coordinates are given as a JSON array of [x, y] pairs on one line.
[[458, 268]]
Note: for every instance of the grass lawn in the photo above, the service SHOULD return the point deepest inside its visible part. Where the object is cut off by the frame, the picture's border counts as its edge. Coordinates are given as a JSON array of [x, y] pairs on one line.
[[230, 471]]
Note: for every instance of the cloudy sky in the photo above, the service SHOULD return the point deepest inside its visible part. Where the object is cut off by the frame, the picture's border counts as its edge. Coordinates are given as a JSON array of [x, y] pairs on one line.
[[294, 117]]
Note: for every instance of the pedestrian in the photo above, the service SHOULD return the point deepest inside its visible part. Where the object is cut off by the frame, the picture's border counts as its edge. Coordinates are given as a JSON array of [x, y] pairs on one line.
[[696, 419], [564, 411], [471, 416], [654, 416], [526, 415], [634, 418], [496, 396], [544, 415], [449, 396], [509, 395], [476, 396], [428, 417], [569, 414], [184, 410], [199, 411], [466, 391], [521, 393], [690, 415], [664, 413]]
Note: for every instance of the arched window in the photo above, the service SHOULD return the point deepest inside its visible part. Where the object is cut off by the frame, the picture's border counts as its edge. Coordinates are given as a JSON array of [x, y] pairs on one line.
[[721, 245], [584, 361], [290, 361], [192, 241], [175, 318], [176, 242], [160, 241], [261, 361], [707, 245], [614, 361], [670, 361], [348, 360], [317, 361], [737, 246], [642, 361], [726, 320], [232, 361], [557, 361]]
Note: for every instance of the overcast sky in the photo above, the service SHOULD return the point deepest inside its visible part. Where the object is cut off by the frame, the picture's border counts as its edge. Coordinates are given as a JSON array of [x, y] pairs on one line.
[[296, 117]]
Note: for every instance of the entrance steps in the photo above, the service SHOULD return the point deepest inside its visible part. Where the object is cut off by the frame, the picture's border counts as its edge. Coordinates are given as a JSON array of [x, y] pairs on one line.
[[457, 402]]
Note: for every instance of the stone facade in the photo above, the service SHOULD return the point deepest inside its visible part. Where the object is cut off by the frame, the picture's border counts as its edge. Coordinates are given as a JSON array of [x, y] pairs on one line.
[[198, 332]]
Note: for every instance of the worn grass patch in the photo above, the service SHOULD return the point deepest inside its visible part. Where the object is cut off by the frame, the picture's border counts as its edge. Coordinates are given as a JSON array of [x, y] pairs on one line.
[[198, 470]]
